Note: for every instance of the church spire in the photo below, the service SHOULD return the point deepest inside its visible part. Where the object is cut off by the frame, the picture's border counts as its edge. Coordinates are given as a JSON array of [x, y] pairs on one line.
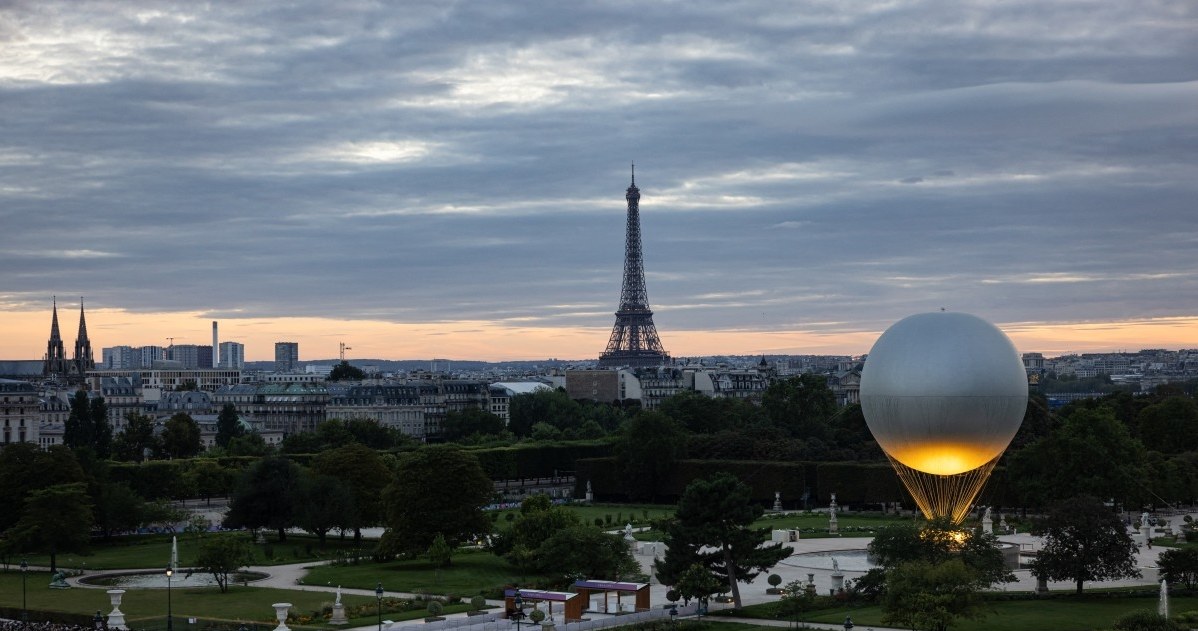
[[54, 363], [83, 347]]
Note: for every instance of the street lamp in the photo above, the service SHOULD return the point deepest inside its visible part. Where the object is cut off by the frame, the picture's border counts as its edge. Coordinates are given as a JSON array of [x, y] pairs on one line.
[[674, 615], [24, 603], [378, 594], [518, 613], [98, 621], [170, 621], [848, 623]]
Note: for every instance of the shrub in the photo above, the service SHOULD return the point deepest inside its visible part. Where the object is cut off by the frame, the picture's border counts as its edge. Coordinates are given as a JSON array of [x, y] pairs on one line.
[[774, 580], [1146, 621], [435, 608]]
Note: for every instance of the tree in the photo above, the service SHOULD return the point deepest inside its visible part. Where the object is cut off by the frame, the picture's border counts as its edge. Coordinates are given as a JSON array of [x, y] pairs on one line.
[[223, 554], [324, 502], [101, 429], [55, 519], [699, 583], [345, 372], [543, 406], [78, 430], [136, 439], [252, 444], [363, 473], [802, 405], [1179, 566], [585, 550], [24, 468], [228, 425], [437, 490], [1091, 453], [1084, 541], [181, 436], [265, 496], [930, 596], [648, 446], [208, 478], [796, 599], [440, 553], [1170, 426], [711, 528], [118, 509], [470, 422], [939, 541]]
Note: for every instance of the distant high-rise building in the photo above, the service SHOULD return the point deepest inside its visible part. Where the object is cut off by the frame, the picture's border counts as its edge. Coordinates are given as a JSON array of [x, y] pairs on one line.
[[232, 355], [151, 354], [119, 357], [190, 355], [633, 339], [286, 356]]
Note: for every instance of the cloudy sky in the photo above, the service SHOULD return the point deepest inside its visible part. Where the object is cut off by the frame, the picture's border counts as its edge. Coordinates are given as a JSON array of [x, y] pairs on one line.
[[447, 178]]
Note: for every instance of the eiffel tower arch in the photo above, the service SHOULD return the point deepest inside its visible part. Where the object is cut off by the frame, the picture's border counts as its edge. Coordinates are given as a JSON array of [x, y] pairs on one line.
[[634, 340]]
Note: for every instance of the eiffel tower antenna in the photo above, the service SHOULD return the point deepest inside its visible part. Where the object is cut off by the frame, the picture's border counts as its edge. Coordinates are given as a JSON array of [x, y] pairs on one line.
[[634, 339]]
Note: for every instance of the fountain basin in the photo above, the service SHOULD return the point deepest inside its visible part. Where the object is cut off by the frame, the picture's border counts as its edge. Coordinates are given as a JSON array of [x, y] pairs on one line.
[[157, 580]]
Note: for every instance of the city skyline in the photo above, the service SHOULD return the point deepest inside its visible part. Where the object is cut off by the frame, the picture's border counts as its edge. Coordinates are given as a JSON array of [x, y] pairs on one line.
[[447, 181]]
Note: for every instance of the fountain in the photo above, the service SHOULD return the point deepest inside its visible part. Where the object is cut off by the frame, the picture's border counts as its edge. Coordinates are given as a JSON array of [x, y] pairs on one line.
[[1162, 608]]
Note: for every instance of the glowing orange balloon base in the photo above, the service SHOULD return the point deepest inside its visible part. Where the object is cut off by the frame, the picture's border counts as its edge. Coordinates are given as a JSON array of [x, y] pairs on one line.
[[948, 496]]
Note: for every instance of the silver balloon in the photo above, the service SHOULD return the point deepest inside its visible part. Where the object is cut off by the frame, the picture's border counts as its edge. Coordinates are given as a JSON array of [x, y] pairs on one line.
[[943, 393]]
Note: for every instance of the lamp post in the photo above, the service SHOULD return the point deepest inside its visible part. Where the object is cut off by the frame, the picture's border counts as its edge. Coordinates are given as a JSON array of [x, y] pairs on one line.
[[674, 616], [24, 603], [848, 623], [98, 621], [170, 621], [378, 594], [518, 614]]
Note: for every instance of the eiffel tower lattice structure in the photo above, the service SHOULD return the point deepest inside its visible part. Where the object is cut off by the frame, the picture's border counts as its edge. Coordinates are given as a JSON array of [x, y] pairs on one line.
[[634, 339]]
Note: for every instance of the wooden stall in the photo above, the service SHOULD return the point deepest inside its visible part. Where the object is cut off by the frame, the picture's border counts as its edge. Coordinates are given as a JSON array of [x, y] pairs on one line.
[[628, 596], [569, 604]]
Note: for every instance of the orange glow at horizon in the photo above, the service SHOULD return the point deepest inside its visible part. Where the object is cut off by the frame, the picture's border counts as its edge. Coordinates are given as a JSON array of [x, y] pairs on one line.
[[23, 335]]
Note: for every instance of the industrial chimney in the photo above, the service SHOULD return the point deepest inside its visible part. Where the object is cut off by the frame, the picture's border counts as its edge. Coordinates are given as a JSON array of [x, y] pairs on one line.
[[215, 347]]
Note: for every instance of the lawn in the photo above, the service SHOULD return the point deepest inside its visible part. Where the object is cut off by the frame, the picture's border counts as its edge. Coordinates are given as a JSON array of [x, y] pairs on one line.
[[149, 551], [614, 516], [471, 572], [849, 525], [1053, 614]]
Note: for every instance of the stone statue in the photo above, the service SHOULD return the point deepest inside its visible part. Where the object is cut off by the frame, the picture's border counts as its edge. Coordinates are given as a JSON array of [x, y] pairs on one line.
[[338, 601], [986, 516], [835, 565], [628, 532], [59, 581]]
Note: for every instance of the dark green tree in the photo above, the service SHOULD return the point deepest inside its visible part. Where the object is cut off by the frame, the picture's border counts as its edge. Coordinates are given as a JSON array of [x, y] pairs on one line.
[[1179, 566], [345, 372], [252, 444], [1091, 453], [802, 405], [697, 582], [554, 407], [1170, 426], [223, 554], [324, 503], [181, 436], [207, 478], [136, 439], [364, 475], [78, 430], [266, 496], [930, 596], [646, 449], [440, 553], [585, 550], [437, 490], [938, 541], [228, 425], [712, 528], [118, 509], [101, 428], [55, 519], [24, 468], [1084, 541], [470, 422]]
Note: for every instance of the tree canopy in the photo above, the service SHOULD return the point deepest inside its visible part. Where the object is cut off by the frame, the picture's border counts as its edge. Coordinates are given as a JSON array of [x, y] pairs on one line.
[[646, 449], [712, 528], [439, 489], [345, 372], [1084, 541]]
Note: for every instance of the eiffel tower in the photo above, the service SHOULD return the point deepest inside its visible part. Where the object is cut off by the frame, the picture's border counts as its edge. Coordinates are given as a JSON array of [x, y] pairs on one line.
[[634, 338]]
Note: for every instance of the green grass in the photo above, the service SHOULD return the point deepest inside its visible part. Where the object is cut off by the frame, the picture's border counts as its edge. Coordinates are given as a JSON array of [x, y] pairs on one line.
[[1168, 542], [149, 551], [620, 514], [1053, 614], [471, 572], [849, 525]]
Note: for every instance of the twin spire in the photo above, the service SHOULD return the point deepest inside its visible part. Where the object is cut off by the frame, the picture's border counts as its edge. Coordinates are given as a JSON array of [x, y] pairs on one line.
[[55, 361]]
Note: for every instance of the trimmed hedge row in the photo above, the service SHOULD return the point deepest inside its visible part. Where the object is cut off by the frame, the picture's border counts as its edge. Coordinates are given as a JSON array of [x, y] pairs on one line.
[[540, 460]]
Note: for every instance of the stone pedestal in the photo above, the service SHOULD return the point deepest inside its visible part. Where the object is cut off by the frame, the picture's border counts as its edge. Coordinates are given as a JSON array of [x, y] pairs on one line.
[[837, 581], [116, 618], [338, 616], [281, 610], [988, 525], [778, 501], [1041, 586]]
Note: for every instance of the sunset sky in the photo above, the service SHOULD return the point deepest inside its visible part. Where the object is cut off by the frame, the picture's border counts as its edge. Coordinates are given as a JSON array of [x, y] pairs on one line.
[[441, 179]]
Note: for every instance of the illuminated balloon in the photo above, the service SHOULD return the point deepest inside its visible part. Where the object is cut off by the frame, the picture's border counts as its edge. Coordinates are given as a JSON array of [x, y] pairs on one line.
[[943, 394]]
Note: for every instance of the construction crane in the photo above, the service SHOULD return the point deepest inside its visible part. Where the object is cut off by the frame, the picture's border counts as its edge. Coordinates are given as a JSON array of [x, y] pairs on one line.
[[343, 349]]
